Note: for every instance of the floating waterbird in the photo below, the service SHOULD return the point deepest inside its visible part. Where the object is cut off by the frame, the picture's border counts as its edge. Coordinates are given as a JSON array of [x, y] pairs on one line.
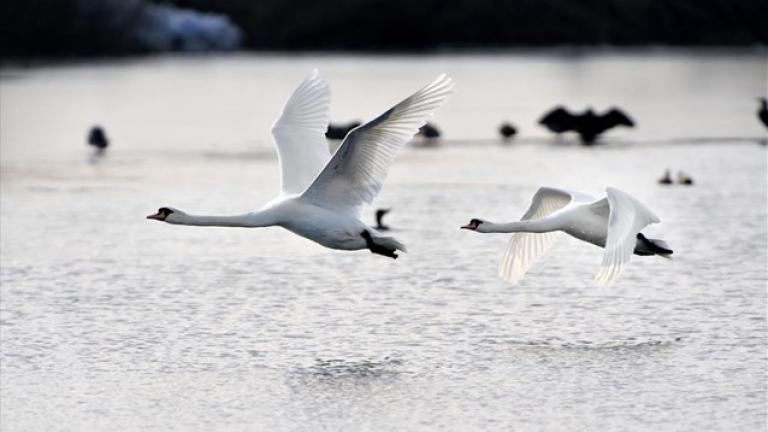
[[321, 195], [613, 222], [429, 130], [587, 124], [379, 216], [666, 179], [762, 112], [98, 138], [507, 130], [339, 131], [684, 179]]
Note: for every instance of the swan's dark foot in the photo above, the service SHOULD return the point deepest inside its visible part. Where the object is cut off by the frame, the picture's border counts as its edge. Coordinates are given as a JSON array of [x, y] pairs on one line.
[[375, 248]]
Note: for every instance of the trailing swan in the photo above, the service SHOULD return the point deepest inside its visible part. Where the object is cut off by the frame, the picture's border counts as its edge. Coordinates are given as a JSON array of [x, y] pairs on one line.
[[613, 222]]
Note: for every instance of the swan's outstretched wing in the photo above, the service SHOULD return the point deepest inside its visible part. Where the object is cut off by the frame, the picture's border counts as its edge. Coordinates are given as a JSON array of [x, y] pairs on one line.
[[299, 134], [628, 217], [525, 249], [356, 171]]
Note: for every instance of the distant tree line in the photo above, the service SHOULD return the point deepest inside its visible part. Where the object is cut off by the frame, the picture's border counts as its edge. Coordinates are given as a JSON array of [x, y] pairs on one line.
[[41, 28], [66, 27], [430, 24]]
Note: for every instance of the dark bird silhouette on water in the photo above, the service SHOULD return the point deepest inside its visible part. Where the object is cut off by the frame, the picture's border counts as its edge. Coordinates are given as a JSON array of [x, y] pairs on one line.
[[507, 130], [762, 112], [429, 130], [684, 179], [587, 124], [98, 138], [379, 223], [666, 179], [338, 131]]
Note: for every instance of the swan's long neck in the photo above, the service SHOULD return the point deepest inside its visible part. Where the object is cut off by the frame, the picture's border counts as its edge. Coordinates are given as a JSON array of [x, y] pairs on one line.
[[248, 220], [534, 226]]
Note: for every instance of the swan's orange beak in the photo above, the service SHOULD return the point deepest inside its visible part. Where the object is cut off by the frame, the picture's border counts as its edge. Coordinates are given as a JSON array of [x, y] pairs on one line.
[[470, 226], [157, 216]]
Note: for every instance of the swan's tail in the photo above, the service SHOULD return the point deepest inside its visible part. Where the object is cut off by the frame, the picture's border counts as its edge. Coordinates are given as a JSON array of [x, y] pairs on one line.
[[386, 246], [389, 243], [646, 246]]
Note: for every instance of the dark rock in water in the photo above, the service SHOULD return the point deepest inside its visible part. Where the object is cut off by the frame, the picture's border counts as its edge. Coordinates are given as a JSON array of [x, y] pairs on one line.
[[507, 130], [587, 124], [339, 130], [762, 113], [98, 138], [429, 130]]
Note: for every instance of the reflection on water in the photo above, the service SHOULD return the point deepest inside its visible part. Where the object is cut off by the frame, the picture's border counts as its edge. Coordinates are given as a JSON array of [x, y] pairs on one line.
[[336, 370], [105, 315]]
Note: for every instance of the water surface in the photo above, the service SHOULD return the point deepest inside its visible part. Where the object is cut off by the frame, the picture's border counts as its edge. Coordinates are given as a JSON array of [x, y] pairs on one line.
[[113, 322]]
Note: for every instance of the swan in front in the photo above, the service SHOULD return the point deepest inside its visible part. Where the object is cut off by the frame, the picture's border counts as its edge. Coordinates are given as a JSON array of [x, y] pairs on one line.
[[322, 194], [613, 223]]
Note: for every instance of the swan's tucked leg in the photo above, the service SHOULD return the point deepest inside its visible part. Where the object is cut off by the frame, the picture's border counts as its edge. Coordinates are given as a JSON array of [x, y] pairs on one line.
[[377, 248], [646, 246]]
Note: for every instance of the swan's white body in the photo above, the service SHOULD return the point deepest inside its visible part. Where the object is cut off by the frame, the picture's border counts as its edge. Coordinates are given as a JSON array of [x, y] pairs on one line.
[[612, 222], [329, 228], [321, 195]]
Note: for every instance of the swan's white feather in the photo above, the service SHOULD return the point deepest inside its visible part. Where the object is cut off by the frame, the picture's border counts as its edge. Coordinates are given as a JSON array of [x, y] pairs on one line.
[[628, 217], [357, 170], [299, 134], [524, 249]]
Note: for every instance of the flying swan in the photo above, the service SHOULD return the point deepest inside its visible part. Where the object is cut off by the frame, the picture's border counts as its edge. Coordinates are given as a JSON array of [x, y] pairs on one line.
[[321, 195], [613, 223]]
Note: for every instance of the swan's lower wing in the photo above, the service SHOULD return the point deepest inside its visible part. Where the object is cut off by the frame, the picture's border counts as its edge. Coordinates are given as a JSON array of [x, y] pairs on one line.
[[357, 170], [628, 216], [523, 251], [299, 134]]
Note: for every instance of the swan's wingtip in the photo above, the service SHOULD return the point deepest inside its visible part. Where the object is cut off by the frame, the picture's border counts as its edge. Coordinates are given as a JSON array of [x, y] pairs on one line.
[[444, 81], [606, 277], [315, 75], [510, 280], [603, 284]]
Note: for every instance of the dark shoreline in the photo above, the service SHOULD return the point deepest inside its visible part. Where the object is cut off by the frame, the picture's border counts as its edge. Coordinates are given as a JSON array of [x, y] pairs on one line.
[[556, 50]]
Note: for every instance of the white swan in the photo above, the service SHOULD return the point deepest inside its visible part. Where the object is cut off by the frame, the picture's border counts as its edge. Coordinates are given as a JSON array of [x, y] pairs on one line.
[[613, 222], [322, 194]]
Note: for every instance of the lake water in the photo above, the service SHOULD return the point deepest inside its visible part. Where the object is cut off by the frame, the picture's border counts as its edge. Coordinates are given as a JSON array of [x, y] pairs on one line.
[[113, 322]]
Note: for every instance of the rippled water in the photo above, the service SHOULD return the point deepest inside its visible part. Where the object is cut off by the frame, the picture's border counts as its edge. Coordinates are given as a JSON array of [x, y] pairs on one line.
[[112, 322]]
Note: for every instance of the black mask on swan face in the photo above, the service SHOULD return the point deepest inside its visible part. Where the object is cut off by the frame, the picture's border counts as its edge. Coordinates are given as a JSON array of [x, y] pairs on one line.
[[162, 213], [473, 224]]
